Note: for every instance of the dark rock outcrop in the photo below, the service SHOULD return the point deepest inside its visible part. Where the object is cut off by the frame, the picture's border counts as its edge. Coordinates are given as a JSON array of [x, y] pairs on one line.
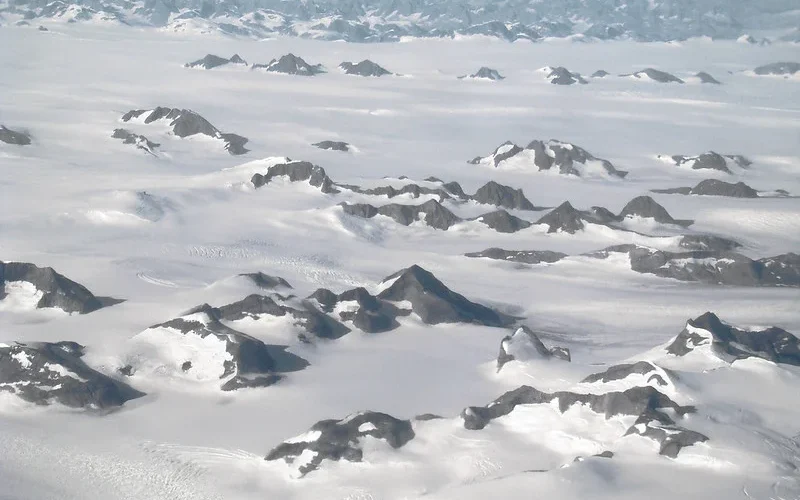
[[730, 343], [414, 190], [367, 312], [620, 372], [434, 303], [57, 290], [712, 161], [333, 145], [211, 61], [503, 222], [45, 373], [646, 207], [652, 409], [568, 158], [503, 152], [778, 68], [340, 440], [185, 123], [435, 215], [265, 281], [707, 242], [521, 256], [655, 75], [711, 267], [600, 73], [524, 345], [140, 141], [313, 322], [562, 76], [252, 363], [565, 218], [485, 73], [297, 171], [564, 156], [364, 68], [706, 78], [14, 137], [568, 219], [290, 64], [499, 195], [714, 187]]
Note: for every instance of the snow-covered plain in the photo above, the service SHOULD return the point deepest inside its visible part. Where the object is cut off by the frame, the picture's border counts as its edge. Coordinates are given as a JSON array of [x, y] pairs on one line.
[[70, 201]]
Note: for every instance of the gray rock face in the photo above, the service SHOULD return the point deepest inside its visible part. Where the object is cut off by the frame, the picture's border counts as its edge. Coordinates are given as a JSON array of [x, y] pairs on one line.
[[646, 207], [185, 123], [565, 218], [364, 68], [503, 222], [46, 373], [211, 61], [503, 152], [655, 75], [604, 31], [646, 403], [455, 189], [305, 315], [434, 303], [290, 64], [562, 76], [252, 363], [567, 157], [714, 187], [712, 161], [521, 256], [13, 137], [707, 331], [333, 145], [340, 439], [499, 195], [414, 190], [265, 281], [140, 141], [778, 68], [524, 345], [711, 267], [621, 372], [600, 73], [485, 73], [707, 242], [57, 290], [297, 171], [568, 219], [706, 78], [431, 212], [367, 312]]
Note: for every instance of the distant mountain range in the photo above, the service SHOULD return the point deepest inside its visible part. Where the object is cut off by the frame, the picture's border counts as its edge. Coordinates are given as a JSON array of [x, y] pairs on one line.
[[391, 20]]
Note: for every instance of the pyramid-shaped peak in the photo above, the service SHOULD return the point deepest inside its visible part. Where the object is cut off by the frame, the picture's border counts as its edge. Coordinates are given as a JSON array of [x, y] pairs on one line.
[[647, 207], [413, 274], [434, 303]]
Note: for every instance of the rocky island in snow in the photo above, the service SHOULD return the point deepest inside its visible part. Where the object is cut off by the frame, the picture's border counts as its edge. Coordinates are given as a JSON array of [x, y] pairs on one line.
[[185, 123]]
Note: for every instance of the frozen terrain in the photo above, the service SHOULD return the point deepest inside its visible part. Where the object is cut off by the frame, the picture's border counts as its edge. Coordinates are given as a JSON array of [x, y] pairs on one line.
[[166, 217]]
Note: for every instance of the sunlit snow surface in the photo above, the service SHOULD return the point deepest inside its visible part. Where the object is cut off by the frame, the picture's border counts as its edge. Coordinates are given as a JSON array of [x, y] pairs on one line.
[[70, 201]]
